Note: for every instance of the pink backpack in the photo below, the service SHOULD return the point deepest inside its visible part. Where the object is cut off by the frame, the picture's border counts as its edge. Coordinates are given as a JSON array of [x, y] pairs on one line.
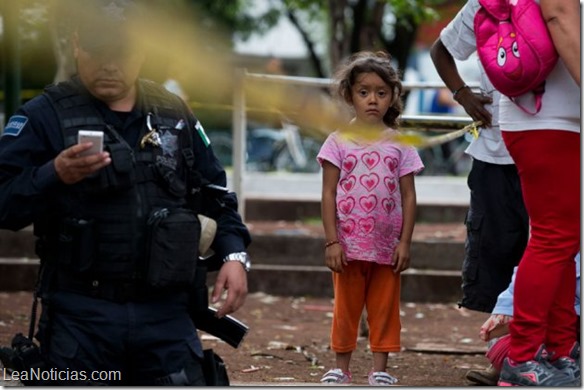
[[515, 47]]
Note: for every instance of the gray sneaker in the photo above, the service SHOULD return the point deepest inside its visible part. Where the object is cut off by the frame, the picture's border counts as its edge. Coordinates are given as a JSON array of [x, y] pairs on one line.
[[486, 377], [537, 372], [570, 365]]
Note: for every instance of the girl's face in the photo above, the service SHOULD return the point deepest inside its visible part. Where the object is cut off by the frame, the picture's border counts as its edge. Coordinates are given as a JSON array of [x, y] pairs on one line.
[[371, 98]]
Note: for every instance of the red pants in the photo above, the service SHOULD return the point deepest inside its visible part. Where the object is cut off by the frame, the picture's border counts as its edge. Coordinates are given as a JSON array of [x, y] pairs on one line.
[[370, 285], [548, 162]]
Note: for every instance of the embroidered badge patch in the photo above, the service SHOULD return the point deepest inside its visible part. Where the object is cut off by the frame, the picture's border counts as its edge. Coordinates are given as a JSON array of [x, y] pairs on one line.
[[202, 134], [15, 125], [169, 143]]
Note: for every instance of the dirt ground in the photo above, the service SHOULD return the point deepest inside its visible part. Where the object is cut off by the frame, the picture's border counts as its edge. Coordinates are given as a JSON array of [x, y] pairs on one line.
[[288, 338], [288, 342]]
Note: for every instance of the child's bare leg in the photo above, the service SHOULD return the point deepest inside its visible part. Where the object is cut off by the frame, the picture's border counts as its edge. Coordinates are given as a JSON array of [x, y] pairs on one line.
[[343, 360], [379, 361]]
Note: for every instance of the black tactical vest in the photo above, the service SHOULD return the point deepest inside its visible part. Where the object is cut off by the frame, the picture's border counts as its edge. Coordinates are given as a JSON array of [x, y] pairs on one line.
[[100, 224]]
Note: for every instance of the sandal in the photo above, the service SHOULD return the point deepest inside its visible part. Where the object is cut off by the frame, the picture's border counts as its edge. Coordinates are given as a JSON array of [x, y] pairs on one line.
[[381, 378], [336, 376]]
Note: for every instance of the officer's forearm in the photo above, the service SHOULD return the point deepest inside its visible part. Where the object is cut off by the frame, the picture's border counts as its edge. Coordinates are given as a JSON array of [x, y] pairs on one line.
[[24, 195]]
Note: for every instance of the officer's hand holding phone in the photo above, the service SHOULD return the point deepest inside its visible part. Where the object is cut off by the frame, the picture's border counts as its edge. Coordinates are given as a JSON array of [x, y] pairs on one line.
[[81, 160]]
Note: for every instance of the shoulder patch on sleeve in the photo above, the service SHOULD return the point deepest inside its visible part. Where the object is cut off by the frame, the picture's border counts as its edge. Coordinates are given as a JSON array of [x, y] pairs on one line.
[[202, 134], [15, 125]]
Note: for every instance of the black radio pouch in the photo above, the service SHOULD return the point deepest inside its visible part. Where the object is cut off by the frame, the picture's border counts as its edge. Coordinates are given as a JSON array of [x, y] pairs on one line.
[[77, 247], [120, 173], [173, 247], [214, 369]]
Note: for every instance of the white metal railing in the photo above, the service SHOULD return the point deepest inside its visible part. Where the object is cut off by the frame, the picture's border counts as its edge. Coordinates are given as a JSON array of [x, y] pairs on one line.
[[325, 82], [240, 117]]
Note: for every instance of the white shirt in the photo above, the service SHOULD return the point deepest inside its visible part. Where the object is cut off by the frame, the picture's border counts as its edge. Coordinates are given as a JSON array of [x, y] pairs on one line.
[[560, 107], [459, 39]]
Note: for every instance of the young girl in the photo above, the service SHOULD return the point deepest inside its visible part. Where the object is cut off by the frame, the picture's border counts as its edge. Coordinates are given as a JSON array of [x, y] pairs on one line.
[[368, 211]]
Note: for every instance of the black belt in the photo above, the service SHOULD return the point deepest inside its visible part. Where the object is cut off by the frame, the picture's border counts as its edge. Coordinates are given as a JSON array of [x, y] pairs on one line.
[[119, 291]]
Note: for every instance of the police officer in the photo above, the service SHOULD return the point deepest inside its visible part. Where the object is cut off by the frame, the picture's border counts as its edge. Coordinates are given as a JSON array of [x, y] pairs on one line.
[[117, 231]]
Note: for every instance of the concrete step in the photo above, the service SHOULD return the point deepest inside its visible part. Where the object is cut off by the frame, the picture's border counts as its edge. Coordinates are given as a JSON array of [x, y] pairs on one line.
[[289, 261], [296, 196], [298, 246], [291, 280], [307, 250], [418, 285], [18, 274], [275, 209], [430, 190], [17, 244]]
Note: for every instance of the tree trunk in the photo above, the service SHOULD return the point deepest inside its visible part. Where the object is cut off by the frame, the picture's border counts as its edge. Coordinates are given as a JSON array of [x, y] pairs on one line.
[[316, 62], [61, 11], [339, 42], [359, 24], [400, 47]]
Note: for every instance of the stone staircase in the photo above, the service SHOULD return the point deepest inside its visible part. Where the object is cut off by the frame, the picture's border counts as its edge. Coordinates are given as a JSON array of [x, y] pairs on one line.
[[288, 257], [289, 261]]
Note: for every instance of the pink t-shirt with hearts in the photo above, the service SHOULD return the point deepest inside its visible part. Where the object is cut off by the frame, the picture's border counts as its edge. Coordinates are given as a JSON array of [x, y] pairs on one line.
[[369, 212]]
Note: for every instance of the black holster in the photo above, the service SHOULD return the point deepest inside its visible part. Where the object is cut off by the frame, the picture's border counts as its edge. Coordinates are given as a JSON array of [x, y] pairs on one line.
[[214, 369], [25, 356]]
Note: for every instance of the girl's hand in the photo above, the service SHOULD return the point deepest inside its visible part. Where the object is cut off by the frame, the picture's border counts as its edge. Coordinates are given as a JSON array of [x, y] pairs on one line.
[[401, 257], [335, 258], [495, 326]]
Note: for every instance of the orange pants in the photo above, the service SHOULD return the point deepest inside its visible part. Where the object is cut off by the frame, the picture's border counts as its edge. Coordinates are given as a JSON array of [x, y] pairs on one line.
[[375, 287]]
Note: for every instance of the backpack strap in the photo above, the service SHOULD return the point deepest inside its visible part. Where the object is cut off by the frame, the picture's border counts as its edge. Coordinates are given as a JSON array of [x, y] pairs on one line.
[[537, 95], [499, 9]]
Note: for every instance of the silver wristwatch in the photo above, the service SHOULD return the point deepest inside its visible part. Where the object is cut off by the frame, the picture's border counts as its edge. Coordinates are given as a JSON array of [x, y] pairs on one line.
[[240, 257]]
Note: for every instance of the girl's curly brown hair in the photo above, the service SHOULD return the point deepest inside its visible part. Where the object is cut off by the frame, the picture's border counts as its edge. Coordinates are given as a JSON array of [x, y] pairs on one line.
[[370, 62]]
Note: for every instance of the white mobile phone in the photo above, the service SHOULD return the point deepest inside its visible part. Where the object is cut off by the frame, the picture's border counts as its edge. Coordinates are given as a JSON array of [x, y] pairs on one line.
[[96, 137]]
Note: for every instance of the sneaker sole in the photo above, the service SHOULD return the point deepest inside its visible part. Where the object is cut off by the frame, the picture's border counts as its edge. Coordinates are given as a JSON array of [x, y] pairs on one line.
[[480, 379]]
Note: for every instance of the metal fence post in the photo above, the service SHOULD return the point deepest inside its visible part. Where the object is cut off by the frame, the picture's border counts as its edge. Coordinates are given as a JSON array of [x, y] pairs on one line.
[[239, 138]]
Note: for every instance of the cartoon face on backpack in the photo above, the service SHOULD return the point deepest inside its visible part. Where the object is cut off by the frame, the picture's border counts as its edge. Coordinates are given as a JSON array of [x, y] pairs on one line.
[[514, 47], [508, 57]]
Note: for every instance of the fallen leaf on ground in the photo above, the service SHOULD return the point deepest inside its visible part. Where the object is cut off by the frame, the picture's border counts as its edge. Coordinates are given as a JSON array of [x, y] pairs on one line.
[[250, 369], [286, 327], [284, 379], [318, 307]]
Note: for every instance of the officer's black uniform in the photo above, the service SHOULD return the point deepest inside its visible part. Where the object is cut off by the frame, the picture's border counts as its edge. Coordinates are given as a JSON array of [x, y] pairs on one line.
[[114, 296]]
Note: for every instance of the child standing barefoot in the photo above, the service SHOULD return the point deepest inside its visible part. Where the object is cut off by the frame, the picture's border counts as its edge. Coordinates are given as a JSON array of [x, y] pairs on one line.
[[368, 211]]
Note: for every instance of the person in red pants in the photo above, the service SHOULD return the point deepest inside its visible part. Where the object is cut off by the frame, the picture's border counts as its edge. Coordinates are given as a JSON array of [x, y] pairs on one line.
[[495, 331], [546, 150]]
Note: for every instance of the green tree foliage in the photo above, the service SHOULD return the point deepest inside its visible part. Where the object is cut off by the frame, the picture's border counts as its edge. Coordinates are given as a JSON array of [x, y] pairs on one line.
[[34, 43], [331, 29], [350, 25], [354, 25]]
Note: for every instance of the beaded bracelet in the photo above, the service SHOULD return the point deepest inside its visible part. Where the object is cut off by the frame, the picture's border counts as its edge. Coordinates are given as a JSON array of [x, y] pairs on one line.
[[330, 243], [458, 90]]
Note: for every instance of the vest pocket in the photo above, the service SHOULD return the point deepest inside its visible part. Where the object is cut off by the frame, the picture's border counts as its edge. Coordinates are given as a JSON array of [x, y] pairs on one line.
[[172, 247], [77, 244], [117, 176], [120, 173]]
